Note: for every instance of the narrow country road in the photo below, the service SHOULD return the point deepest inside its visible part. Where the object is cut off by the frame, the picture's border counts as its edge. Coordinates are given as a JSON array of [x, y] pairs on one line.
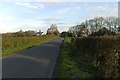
[[36, 62]]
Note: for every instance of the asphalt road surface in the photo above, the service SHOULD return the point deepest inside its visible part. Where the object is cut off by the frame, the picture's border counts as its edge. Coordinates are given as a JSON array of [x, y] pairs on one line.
[[35, 62]]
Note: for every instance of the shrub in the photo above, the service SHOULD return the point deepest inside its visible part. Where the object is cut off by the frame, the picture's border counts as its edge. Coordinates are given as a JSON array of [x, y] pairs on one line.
[[102, 52]]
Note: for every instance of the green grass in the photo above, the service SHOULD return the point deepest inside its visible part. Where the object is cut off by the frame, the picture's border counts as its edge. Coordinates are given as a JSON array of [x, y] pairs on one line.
[[72, 65], [11, 45]]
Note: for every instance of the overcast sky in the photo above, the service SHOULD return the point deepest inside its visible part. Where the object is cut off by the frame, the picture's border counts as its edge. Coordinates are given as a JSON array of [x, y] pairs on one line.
[[39, 15]]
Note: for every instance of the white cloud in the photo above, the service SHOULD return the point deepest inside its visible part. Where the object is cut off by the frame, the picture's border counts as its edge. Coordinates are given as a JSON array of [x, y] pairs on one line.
[[53, 18], [59, 0], [69, 9], [50, 0], [100, 11], [105, 8], [76, 0], [5, 18], [6, 27], [30, 5], [25, 24]]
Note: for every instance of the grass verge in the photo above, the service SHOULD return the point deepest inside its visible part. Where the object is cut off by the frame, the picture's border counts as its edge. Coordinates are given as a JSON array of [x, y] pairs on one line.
[[13, 44], [72, 65]]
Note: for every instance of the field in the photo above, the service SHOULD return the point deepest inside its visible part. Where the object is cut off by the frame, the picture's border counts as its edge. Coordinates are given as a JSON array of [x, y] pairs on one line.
[[92, 57], [12, 44]]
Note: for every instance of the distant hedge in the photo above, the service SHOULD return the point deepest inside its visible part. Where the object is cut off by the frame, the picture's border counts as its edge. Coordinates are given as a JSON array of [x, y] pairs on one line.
[[102, 52]]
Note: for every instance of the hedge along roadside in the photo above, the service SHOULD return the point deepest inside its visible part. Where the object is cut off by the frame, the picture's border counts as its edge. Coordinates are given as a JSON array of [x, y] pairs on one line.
[[102, 52]]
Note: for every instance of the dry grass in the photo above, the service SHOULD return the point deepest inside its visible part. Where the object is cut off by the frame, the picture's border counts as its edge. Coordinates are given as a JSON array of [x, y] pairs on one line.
[[13, 44]]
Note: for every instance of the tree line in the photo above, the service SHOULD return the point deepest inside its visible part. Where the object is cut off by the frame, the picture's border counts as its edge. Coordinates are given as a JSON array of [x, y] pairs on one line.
[[98, 26], [30, 33], [20, 33]]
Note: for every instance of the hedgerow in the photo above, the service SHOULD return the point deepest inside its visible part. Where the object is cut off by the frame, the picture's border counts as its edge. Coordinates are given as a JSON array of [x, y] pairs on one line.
[[102, 52]]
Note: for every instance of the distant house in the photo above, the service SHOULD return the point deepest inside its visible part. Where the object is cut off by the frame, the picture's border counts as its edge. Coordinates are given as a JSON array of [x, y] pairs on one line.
[[38, 33]]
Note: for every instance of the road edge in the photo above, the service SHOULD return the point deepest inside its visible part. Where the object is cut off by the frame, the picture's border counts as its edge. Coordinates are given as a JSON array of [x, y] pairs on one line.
[[54, 75]]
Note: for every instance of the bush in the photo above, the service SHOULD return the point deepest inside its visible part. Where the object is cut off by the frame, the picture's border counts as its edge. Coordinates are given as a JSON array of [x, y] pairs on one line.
[[102, 32], [102, 52], [67, 34]]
